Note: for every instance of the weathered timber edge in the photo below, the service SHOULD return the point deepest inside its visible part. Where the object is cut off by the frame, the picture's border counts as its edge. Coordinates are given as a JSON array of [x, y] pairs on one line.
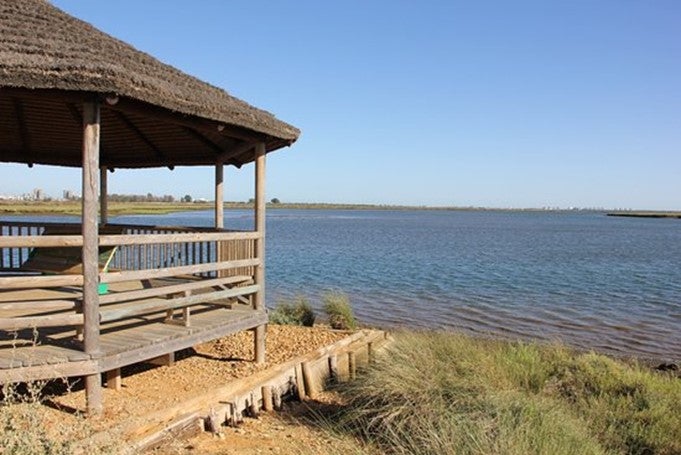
[[228, 404]]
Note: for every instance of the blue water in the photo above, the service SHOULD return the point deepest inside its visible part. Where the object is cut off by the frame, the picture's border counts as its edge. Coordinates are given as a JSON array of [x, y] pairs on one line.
[[591, 281]]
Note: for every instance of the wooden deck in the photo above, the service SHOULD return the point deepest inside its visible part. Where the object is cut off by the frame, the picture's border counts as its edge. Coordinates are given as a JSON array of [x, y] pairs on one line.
[[53, 352]]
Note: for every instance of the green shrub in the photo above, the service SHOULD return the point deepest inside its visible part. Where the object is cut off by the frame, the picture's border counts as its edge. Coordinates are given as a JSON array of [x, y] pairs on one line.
[[339, 311], [296, 312]]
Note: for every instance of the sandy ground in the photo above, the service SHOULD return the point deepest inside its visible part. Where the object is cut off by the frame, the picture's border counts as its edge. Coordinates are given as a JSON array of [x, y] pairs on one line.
[[147, 388], [289, 431]]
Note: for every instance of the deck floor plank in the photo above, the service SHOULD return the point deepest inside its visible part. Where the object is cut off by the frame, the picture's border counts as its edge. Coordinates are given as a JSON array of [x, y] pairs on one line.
[[123, 342]]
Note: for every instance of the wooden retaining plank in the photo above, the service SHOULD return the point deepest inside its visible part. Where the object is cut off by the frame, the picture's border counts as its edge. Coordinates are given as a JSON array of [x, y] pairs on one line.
[[246, 394], [232, 390]]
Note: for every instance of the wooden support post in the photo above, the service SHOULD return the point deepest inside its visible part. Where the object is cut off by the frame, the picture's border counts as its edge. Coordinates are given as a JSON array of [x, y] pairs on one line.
[[267, 401], [333, 369], [113, 379], [370, 352], [219, 196], [253, 409], [220, 213], [307, 379], [259, 300], [300, 383], [352, 365], [214, 421], [166, 360], [90, 254], [103, 196], [186, 316], [276, 399]]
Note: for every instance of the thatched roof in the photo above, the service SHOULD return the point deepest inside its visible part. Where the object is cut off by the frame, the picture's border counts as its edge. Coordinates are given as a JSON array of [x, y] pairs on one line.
[[157, 115]]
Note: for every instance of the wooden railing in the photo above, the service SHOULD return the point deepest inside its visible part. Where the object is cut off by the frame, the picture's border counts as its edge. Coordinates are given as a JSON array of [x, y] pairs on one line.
[[190, 265], [13, 257]]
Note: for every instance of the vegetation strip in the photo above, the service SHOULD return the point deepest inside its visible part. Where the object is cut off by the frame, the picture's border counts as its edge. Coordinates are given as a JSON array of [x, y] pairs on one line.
[[163, 208], [434, 392]]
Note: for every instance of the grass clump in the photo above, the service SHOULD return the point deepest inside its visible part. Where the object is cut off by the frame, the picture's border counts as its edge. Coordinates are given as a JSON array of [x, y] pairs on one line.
[[295, 312], [451, 394], [29, 427], [339, 311]]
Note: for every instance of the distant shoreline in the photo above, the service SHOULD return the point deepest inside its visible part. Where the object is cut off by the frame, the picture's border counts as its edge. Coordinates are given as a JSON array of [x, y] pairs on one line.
[[160, 208]]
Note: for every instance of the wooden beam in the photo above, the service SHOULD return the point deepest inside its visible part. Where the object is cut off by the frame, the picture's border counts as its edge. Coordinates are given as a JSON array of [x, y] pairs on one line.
[[90, 255], [75, 114], [219, 196], [236, 151], [145, 109], [103, 196], [155, 306], [259, 300], [59, 370], [35, 241], [191, 285], [42, 305], [28, 322], [122, 239], [204, 140], [40, 281], [23, 130], [132, 127], [129, 105], [148, 274]]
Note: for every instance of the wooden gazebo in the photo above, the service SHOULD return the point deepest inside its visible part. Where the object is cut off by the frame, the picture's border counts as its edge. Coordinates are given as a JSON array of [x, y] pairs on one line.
[[71, 95]]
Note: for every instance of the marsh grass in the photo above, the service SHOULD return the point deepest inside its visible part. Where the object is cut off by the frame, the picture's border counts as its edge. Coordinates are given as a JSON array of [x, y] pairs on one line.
[[445, 393], [115, 208], [293, 312], [339, 311]]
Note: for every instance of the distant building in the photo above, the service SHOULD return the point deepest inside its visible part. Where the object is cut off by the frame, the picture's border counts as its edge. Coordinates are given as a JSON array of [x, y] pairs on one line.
[[69, 195]]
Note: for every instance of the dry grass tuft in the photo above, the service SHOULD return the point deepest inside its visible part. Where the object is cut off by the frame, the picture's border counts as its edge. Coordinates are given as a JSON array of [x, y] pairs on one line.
[[445, 393]]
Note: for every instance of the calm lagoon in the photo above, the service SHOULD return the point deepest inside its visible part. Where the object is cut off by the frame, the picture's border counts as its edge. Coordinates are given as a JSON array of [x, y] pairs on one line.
[[591, 281]]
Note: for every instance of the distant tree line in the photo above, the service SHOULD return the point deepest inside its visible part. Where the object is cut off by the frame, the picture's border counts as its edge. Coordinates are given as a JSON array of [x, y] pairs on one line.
[[140, 198]]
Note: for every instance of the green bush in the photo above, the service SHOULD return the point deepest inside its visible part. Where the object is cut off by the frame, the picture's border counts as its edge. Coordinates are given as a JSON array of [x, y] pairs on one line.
[[339, 311], [296, 312]]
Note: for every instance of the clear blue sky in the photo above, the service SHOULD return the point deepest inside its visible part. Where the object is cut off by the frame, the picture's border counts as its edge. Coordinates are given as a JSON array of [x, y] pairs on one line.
[[503, 104]]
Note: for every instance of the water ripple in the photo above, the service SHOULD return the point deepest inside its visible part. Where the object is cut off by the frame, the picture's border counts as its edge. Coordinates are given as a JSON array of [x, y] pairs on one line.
[[591, 281], [586, 280]]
